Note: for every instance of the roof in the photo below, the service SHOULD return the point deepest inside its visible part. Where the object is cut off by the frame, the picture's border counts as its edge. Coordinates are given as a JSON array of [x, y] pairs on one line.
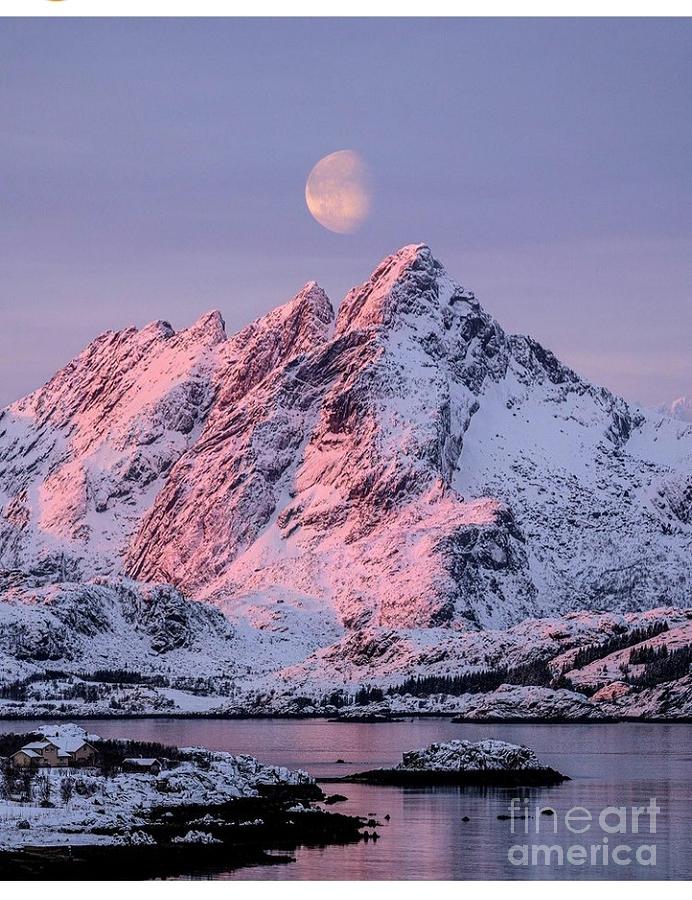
[[68, 743], [27, 751], [65, 746], [140, 761]]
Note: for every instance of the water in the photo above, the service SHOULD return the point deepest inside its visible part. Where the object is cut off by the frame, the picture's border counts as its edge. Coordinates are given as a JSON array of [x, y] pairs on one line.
[[611, 765]]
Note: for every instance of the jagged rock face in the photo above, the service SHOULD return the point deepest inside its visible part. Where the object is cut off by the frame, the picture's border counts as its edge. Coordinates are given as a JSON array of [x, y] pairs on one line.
[[110, 623], [221, 494], [409, 465], [82, 458]]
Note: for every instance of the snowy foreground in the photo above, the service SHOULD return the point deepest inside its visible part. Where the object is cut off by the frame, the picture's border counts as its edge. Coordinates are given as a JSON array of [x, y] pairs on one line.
[[116, 809]]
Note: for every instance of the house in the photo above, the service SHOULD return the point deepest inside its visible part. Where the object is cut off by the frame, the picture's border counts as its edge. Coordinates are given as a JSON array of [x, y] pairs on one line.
[[57, 751], [142, 764], [22, 759]]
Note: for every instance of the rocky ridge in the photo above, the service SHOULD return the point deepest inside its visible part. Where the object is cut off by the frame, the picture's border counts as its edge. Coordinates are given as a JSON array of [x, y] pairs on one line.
[[363, 496]]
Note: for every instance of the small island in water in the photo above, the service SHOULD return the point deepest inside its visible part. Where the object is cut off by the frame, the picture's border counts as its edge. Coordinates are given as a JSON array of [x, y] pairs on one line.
[[489, 762]]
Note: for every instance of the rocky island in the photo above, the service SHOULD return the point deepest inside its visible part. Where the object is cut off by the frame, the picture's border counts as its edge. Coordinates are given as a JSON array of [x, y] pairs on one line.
[[487, 763]]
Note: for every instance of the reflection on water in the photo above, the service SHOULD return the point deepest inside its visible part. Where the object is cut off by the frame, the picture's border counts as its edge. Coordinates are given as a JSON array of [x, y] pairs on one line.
[[611, 765]]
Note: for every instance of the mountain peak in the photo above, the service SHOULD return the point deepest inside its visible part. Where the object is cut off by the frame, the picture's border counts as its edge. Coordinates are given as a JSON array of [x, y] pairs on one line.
[[293, 328], [315, 301], [682, 409], [422, 467], [398, 285], [157, 330], [210, 327]]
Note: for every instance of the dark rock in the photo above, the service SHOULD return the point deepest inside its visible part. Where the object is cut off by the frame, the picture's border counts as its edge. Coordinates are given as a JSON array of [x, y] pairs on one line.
[[543, 777]]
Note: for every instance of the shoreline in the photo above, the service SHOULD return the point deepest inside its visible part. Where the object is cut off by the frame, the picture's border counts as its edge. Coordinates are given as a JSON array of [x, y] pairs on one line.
[[281, 831], [400, 718], [195, 811]]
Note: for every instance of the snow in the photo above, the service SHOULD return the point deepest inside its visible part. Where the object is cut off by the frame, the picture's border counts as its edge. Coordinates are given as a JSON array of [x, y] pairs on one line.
[[120, 803], [467, 756], [680, 408], [310, 503], [196, 837], [610, 667]]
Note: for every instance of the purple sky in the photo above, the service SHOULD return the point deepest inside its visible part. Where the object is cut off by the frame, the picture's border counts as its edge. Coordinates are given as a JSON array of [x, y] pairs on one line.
[[155, 169]]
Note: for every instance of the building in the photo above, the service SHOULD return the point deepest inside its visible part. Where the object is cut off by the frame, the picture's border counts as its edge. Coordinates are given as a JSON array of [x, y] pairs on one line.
[[142, 764], [55, 752]]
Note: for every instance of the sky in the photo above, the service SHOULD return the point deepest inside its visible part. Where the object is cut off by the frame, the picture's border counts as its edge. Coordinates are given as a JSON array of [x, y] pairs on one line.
[[155, 169]]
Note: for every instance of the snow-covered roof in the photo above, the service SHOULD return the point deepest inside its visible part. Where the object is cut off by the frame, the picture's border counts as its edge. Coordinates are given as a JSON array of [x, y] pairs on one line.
[[37, 745], [140, 761], [27, 751], [69, 743]]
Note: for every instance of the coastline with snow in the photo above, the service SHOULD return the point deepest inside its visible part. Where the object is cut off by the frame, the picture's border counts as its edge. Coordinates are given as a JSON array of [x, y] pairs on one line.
[[193, 810], [211, 807]]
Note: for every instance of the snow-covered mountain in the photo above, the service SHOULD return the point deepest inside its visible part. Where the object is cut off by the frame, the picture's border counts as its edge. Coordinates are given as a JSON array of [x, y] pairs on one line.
[[405, 465], [681, 409]]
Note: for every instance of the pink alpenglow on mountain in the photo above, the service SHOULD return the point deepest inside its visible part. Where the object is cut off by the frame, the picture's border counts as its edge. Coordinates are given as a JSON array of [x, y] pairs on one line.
[[682, 409], [407, 465]]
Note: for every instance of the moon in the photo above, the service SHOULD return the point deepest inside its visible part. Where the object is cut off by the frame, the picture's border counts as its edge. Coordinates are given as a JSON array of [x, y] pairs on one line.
[[338, 192]]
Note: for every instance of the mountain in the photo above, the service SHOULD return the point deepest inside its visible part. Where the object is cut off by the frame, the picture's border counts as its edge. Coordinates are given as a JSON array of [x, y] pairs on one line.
[[405, 467], [679, 409]]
